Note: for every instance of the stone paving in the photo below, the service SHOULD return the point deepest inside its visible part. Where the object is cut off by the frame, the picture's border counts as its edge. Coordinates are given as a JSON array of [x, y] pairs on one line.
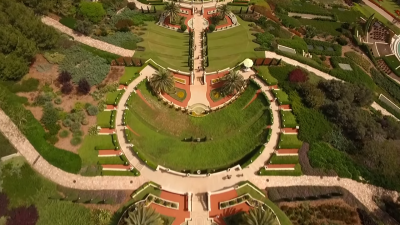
[[87, 40]]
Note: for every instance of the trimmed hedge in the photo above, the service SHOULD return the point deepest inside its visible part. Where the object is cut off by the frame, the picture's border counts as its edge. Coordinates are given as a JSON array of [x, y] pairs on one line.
[[356, 76], [296, 43], [392, 63], [254, 155], [143, 158], [386, 83], [304, 60], [295, 172], [34, 132]]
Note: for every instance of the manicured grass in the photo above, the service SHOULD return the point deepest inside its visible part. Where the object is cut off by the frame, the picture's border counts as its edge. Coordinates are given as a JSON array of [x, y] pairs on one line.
[[103, 54], [393, 64], [104, 119], [284, 159], [129, 75], [179, 95], [323, 26], [28, 188], [368, 11], [166, 47], [111, 160], [295, 172], [264, 73], [112, 98], [289, 141], [283, 218], [288, 119], [144, 192], [88, 152], [230, 47], [283, 98], [6, 147], [235, 132]]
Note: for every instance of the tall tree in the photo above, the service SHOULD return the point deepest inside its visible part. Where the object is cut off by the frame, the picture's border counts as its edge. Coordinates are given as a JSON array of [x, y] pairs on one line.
[[142, 215], [259, 216], [223, 10], [173, 10], [233, 82], [162, 81]]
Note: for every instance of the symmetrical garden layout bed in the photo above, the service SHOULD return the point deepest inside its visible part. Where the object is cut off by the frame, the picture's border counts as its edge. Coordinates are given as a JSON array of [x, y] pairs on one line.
[[230, 134]]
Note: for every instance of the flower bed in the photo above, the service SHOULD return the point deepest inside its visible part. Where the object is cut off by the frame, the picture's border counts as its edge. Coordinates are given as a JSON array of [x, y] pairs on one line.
[[216, 95], [246, 198], [179, 95], [160, 201]]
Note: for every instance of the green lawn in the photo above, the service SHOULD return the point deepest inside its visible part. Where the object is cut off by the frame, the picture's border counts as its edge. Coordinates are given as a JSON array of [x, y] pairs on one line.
[[266, 75], [393, 63], [231, 133], [283, 98], [166, 47], [295, 172], [284, 159], [111, 160], [230, 47], [288, 119], [104, 119], [283, 219], [289, 141], [6, 147], [88, 152], [112, 98], [368, 11], [29, 188], [145, 191], [129, 75]]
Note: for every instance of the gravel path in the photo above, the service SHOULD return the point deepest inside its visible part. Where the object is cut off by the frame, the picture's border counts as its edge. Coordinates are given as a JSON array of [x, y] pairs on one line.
[[87, 40]]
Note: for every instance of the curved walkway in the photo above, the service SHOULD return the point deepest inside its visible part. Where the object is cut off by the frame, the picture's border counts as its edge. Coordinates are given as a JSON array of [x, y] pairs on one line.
[[87, 40], [319, 73]]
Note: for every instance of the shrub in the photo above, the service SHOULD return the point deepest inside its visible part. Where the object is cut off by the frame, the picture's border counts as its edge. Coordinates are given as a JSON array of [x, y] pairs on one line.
[[49, 120], [183, 27], [64, 77], [76, 141], [83, 86], [131, 5], [84, 27], [64, 134], [126, 40], [58, 101], [342, 41], [23, 215], [323, 57], [66, 88], [85, 122], [92, 110], [54, 58], [42, 99], [67, 123], [211, 28], [124, 24], [359, 60], [92, 10], [296, 43], [297, 76], [3, 204], [68, 22], [215, 18], [76, 126]]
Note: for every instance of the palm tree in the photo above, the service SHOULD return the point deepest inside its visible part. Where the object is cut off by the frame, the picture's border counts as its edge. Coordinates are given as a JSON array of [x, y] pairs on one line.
[[142, 215], [259, 216], [223, 10], [173, 10], [233, 82], [162, 81]]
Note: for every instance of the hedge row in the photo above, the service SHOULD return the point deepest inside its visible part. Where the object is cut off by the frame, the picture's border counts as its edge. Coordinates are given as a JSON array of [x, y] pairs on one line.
[[301, 193], [392, 65], [295, 172], [253, 155], [337, 49], [129, 136], [34, 132], [386, 83], [388, 108], [356, 76]]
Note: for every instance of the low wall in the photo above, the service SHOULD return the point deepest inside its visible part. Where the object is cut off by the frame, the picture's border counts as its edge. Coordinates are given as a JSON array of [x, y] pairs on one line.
[[197, 175], [390, 103]]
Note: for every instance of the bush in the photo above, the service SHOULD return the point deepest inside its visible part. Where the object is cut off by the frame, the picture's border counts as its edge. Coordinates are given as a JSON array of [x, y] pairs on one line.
[[67, 88], [126, 40], [54, 58], [84, 27], [359, 60], [58, 101], [211, 28], [183, 27], [342, 41], [75, 127], [64, 134], [92, 110], [131, 5], [3, 204], [328, 48], [68, 22], [23, 215], [124, 24], [296, 43], [50, 119], [83, 86], [64, 77], [27, 85], [76, 141], [92, 10], [297, 76]]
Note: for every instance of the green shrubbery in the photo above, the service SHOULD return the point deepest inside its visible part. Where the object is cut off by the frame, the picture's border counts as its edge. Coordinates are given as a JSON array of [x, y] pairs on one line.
[[359, 60], [91, 67], [68, 22], [305, 60], [265, 40], [386, 83], [296, 43], [336, 50], [126, 40], [393, 63], [35, 133], [92, 10], [356, 76]]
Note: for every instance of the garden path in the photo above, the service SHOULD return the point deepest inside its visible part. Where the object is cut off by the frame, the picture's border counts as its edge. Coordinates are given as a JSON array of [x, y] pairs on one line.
[[198, 90], [86, 39], [319, 73]]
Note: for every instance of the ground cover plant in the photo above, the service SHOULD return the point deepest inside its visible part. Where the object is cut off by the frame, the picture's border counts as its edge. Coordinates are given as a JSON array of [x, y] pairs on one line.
[[393, 64], [323, 47], [263, 72], [104, 119], [179, 94], [7, 148], [228, 48], [161, 127], [289, 141], [359, 60], [368, 11], [282, 97], [356, 75], [166, 47], [130, 74]]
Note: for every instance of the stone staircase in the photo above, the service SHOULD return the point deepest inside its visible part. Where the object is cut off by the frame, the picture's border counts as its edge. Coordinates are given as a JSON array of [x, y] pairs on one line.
[[199, 214]]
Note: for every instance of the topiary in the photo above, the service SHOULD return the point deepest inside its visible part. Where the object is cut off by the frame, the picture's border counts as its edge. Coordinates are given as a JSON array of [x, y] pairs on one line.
[[183, 27], [63, 134], [92, 110], [211, 28]]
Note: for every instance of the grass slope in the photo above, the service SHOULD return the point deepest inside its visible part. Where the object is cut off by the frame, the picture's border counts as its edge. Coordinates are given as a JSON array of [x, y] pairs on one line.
[[230, 47]]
